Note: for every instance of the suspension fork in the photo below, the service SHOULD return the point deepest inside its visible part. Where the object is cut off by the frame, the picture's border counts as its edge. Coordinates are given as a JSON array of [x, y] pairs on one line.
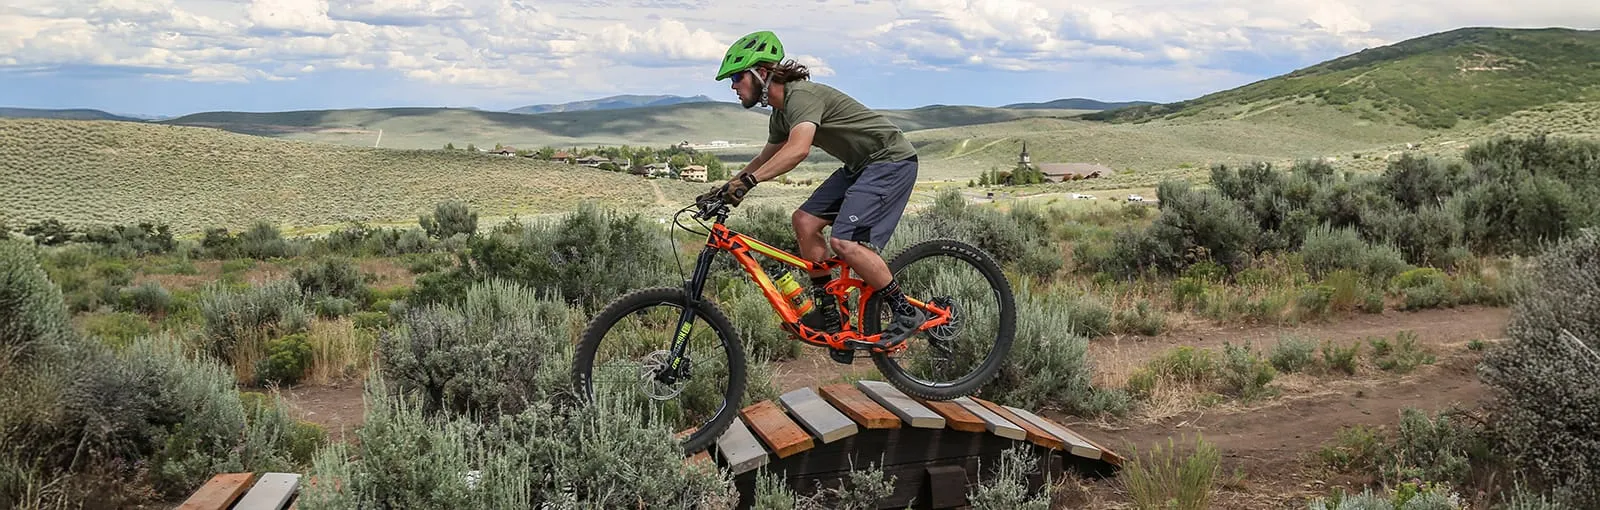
[[693, 288]]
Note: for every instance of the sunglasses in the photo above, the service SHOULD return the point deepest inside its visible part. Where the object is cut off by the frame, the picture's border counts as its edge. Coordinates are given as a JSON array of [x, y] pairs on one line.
[[738, 76]]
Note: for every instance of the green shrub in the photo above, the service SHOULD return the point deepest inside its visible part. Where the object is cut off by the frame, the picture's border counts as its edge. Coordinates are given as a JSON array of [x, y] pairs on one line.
[[1547, 376], [49, 232], [116, 329], [497, 352], [149, 298], [288, 359], [1403, 356], [1143, 319], [263, 241], [1008, 489], [588, 257], [1059, 371], [1244, 373], [592, 456], [448, 219], [332, 276], [1293, 353], [129, 241], [239, 322], [1418, 277], [335, 307], [1339, 358]]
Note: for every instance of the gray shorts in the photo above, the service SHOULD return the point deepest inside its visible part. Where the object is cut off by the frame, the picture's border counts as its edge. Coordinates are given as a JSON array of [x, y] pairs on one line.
[[865, 207]]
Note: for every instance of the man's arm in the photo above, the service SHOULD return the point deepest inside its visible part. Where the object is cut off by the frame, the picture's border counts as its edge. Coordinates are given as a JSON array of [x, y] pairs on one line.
[[786, 156], [766, 153]]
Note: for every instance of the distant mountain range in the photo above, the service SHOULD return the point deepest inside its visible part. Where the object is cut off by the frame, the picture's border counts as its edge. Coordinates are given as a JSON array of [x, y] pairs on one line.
[[64, 114], [1076, 103], [612, 103]]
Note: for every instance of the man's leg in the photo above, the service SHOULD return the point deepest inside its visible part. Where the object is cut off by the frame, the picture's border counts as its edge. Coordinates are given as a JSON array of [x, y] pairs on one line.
[[817, 212], [871, 211], [808, 232]]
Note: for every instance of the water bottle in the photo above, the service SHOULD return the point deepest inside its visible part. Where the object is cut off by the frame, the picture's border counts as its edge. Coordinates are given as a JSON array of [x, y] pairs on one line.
[[791, 290]]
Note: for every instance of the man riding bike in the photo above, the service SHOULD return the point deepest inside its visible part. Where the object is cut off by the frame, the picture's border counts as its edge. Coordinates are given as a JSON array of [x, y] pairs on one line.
[[863, 200]]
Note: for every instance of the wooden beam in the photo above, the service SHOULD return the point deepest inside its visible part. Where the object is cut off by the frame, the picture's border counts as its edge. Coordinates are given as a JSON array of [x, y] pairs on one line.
[[739, 448], [825, 422], [955, 416], [219, 492], [773, 426], [1036, 435], [859, 407], [995, 424], [1075, 444], [271, 492], [901, 405]]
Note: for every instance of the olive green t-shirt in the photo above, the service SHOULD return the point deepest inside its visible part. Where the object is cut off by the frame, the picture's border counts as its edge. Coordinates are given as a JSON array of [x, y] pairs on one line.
[[846, 129]]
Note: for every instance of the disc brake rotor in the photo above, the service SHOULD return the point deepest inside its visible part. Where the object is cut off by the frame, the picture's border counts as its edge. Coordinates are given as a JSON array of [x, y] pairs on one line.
[[652, 366]]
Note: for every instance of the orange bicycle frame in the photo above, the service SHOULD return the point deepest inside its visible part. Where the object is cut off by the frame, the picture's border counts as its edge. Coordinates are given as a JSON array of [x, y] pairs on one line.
[[741, 247]]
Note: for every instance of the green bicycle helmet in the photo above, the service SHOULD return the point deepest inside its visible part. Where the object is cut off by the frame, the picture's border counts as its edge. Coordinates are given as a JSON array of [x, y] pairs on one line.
[[750, 50]]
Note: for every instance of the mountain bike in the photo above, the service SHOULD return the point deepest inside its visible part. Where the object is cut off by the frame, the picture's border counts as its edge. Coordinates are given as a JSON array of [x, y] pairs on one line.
[[677, 352]]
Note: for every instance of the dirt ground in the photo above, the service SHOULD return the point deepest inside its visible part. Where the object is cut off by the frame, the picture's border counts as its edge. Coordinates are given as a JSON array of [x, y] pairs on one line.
[[1268, 447]]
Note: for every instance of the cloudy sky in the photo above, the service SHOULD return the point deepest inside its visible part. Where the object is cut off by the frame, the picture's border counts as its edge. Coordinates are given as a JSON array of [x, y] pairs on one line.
[[168, 57]]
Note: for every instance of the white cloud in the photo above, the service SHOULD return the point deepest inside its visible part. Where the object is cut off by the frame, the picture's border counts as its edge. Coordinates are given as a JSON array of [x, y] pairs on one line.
[[575, 48]]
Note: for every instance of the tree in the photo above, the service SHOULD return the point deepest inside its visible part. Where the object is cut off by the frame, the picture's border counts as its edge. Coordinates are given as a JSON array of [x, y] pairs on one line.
[[678, 161], [546, 152], [450, 146], [472, 148], [983, 179]]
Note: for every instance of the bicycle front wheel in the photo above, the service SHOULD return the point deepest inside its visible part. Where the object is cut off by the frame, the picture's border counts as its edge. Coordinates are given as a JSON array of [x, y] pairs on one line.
[[626, 355], [956, 359]]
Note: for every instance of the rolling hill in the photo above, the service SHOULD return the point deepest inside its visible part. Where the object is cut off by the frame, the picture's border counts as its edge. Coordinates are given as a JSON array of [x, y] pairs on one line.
[[611, 103], [1435, 81], [65, 114], [109, 172], [1077, 103], [430, 128]]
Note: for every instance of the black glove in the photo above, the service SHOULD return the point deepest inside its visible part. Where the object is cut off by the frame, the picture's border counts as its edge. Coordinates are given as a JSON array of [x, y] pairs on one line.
[[734, 191]]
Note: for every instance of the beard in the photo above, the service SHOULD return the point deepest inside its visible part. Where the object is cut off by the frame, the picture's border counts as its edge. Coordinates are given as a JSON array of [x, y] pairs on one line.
[[748, 103]]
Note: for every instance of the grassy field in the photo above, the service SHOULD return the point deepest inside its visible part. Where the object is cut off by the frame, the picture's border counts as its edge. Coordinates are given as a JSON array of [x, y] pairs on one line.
[[194, 178], [1435, 81]]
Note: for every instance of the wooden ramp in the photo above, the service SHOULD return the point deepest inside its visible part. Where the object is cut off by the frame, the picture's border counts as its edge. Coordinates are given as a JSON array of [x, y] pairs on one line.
[[937, 451], [813, 437]]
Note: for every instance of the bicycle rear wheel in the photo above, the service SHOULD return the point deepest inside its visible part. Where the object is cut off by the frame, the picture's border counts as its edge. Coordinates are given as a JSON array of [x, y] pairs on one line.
[[956, 359], [627, 347]]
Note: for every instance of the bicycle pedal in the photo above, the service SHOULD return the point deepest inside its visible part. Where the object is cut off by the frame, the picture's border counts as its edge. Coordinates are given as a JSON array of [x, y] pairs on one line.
[[842, 356]]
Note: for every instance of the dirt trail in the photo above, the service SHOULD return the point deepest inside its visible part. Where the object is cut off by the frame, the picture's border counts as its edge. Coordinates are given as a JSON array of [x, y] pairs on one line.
[[1454, 327]]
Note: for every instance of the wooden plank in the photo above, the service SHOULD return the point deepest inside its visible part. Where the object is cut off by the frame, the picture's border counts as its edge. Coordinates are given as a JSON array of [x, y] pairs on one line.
[[782, 435], [825, 422], [271, 492], [859, 407], [994, 423], [219, 492], [1036, 435], [739, 448], [901, 405], [1075, 444], [955, 416]]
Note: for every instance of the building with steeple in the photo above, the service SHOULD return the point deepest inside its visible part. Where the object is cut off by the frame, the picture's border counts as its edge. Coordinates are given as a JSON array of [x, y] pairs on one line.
[[1023, 159]]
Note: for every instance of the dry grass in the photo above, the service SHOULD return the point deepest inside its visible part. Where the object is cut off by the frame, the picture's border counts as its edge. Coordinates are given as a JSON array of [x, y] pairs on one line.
[[104, 172], [340, 351]]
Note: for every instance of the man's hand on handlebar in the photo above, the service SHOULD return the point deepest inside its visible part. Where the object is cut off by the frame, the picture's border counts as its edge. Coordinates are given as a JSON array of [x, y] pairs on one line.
[[733, 192]]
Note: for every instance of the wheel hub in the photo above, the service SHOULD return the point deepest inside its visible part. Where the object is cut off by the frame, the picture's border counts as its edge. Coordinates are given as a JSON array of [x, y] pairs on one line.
[[659, 380]]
